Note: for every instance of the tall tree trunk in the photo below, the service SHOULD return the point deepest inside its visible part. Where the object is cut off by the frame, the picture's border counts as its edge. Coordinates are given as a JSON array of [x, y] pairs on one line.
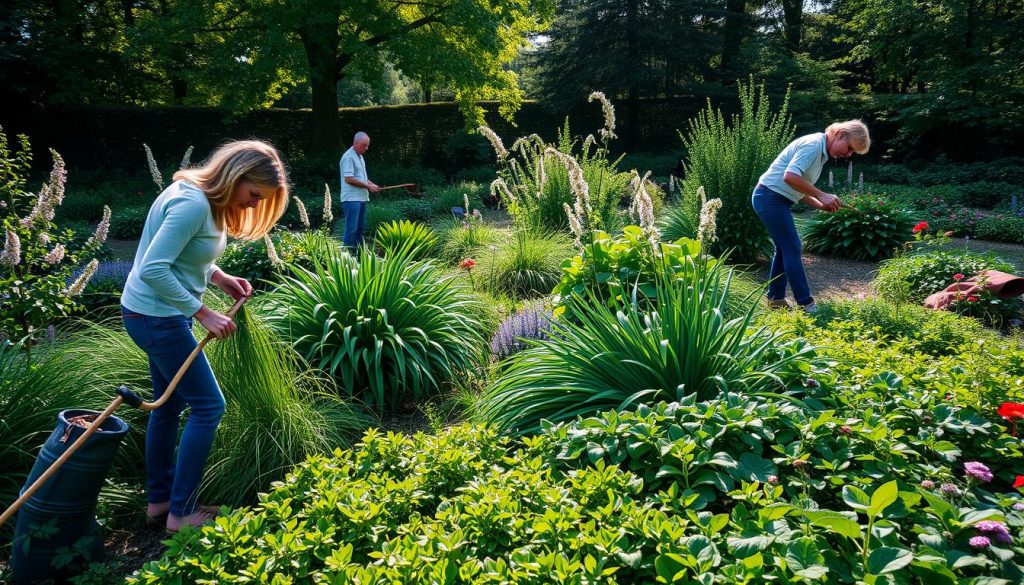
[[792, 15], [320, 40], [633, 54], [733, 35], [427, 93]]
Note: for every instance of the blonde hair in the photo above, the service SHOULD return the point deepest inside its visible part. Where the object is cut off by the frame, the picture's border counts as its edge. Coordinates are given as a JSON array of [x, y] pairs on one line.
[[853, 130], [219, 175]]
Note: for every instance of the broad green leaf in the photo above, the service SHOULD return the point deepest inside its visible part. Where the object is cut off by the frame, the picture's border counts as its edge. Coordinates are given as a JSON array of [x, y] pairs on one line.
[[835, 522], [856, 498], [883, 497], [888, 559]]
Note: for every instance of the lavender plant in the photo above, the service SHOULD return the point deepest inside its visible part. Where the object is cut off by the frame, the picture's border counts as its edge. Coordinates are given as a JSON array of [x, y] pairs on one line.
[[531, 322], [37, 259]]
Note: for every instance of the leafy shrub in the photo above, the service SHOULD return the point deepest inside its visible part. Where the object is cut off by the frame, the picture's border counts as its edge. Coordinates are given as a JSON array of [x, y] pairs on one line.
[[388, 174], [525, 265], [738, 489], [377, 213], [931, 271], [617, 360], [391, 330], [610, 269], [126, 223], [531, 322], [85, 205], [401, 234], [251, 260], [726, 159], [443, 199], [418, 210], [936, 333], [481, 174], [867, 228]]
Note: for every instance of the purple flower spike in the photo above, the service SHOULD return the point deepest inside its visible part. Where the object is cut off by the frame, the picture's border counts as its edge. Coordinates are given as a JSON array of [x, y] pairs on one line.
[[978, 471]]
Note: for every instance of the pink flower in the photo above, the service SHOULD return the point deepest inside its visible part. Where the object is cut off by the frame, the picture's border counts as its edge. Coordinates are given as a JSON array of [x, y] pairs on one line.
[[958, 277], [978, 471], [980, 542]]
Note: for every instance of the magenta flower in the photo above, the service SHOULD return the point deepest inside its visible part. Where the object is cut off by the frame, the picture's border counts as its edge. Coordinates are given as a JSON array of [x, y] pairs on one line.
[[980, 542], [928, 484], [978, 471], [996, 529], [950, 489]]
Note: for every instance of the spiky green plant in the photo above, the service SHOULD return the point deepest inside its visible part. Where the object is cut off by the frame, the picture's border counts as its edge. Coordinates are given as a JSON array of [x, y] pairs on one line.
[[394, 235], [527, 265], [617, 360], [391, 330], [278, 411], [464, 238], [726, 157]]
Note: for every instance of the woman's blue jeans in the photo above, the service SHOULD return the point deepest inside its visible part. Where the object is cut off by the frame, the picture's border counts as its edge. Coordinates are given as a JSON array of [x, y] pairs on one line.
[[355, 222], [168, 341], [775, 212]]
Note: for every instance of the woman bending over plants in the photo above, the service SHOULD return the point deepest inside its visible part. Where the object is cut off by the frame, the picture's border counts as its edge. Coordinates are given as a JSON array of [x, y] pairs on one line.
[[789, 179], [242, 191]]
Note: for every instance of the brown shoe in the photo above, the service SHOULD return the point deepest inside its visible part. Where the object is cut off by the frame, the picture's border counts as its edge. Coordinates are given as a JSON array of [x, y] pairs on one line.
[[779, 304]]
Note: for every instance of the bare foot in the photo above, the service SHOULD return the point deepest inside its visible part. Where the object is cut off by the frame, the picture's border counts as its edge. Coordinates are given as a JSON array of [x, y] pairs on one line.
[[202, 515]]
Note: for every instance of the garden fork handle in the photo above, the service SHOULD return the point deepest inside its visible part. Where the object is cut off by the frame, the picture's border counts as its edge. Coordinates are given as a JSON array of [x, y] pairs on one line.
[[150, 406]]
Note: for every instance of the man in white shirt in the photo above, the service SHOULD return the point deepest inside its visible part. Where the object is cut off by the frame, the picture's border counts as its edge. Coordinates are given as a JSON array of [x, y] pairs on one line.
[[356, 187]]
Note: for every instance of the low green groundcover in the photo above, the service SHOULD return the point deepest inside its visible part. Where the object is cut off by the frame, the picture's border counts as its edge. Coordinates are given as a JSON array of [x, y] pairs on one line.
[[877, 484]]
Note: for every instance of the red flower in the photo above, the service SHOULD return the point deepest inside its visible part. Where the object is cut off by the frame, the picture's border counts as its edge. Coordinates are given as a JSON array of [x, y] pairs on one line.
[[1011, 411], [972, 299], [467, 264], [958, 277], [921, 227], [1019, 482]]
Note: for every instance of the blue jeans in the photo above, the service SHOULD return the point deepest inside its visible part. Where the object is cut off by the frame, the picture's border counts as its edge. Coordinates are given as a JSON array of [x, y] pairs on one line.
[[355, 222], [787, 265], [168, 341]]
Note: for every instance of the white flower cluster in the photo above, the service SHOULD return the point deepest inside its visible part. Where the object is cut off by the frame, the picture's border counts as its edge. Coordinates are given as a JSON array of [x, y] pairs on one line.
[[500, 190], [275, 260], [707, 229], [187, 159], [303, 216], [641, 206], [153, 169], [578, 183], [328, 214], [608, 132], [102, 229], [495, 140], [51, 195], [849, 174], [575, 225], [11, 255], [78, 286], [55, 255]]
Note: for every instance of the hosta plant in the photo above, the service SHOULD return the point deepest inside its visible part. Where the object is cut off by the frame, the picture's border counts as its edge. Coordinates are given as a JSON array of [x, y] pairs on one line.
[[390, 330], [932, 270], [866, 228]]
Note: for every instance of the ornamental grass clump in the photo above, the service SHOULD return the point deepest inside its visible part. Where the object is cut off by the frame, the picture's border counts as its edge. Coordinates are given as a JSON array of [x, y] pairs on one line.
[[278, 410], [616, 359], [390, 330]]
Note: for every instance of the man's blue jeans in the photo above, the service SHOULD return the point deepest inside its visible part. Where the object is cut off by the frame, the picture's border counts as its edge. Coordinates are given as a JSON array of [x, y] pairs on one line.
[[355, 222], [168, 341], [787, 265]]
